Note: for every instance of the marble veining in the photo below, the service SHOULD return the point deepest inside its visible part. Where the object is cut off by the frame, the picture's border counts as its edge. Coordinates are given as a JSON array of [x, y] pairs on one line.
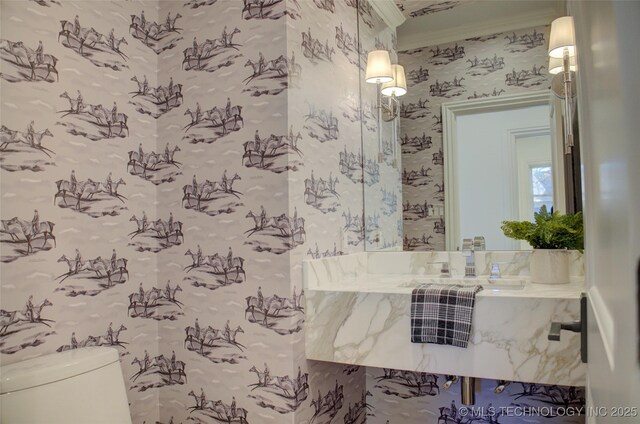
[[358, 314]]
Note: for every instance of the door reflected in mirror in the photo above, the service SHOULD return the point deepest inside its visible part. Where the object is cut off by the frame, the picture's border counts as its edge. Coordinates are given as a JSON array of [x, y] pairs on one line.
[[499, 167]]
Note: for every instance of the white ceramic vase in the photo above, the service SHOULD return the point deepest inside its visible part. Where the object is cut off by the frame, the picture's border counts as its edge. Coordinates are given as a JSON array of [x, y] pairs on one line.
[[549, 266]]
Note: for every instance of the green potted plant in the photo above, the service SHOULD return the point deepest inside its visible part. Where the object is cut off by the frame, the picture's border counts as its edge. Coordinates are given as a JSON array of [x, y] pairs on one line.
[[551, 235]]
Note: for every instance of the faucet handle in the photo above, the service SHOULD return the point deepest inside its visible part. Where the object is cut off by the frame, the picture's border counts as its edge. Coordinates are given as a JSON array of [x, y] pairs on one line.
[[467, 246], [495, 269], [444, 271]]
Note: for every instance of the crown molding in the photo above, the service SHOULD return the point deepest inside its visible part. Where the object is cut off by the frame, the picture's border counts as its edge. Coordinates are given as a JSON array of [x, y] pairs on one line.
[[389, 12], [431, 38]]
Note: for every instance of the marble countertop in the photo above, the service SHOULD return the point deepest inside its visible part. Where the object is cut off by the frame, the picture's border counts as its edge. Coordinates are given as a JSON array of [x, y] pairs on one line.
[[404, 284], [358, 312]]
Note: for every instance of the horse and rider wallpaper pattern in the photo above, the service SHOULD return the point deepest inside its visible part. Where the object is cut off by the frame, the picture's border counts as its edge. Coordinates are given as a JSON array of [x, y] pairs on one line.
[[28, 63], [486, 66], [155, 197], [378, 160], [156, 202], [67, 195], [414, 9], [421, 397], [157, 36]]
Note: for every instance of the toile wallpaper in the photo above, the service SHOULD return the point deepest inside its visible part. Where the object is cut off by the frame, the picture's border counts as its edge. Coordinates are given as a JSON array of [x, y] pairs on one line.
[[402, 397], [383, 161], [165, 168], [72, 275], [417, 8]]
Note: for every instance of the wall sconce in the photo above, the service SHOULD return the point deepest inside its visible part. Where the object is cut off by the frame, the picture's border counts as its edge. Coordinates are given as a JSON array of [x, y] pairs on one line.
[[393, 90], [391, 82], [556, 68], [378, 67], [556, 65], [562, 52]]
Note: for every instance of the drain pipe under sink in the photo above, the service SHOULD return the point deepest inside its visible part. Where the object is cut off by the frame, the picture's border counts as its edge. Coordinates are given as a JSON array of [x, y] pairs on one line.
[[468, 390]]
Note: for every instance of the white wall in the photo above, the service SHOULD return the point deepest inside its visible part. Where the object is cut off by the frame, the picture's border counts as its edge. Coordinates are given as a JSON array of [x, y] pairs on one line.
[[486, 175]]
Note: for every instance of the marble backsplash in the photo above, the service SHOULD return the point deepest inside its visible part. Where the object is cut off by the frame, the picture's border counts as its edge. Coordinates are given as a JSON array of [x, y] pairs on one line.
[[334, 270]]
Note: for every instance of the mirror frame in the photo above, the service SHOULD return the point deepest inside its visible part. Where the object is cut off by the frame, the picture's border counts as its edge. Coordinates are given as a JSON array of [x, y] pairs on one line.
[[450, 113]]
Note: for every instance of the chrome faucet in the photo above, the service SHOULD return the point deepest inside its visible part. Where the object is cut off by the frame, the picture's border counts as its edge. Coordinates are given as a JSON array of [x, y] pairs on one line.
[[468, 252], [495, 269], [444, 270], [479, 243]]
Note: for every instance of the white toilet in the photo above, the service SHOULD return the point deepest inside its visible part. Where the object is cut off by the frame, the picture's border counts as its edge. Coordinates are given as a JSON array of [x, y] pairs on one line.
[[80, 386]]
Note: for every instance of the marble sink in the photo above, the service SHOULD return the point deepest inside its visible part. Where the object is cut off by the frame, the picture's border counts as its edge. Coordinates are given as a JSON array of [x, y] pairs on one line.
[[399, 283], [487, 283], [358, 307]]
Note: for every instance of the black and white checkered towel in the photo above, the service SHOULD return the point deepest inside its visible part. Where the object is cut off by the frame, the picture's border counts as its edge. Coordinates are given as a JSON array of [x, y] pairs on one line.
[[442, 314]]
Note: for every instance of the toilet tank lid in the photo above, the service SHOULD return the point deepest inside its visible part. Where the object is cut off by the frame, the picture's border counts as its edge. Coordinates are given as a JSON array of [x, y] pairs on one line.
[[54, 367]]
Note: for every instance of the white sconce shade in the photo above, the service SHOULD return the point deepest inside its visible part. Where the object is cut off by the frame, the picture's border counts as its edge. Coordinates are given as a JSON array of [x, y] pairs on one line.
[[378, 67], [398, 86], [556, 65], [562, 36]]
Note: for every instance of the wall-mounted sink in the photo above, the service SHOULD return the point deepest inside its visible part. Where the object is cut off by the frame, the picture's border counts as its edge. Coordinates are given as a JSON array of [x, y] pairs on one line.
[[358, 312], [487, 283]]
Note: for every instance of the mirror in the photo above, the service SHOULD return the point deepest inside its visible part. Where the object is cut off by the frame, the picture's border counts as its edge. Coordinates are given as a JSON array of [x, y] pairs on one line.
[[472, 67], [499, 165], [381, 157]]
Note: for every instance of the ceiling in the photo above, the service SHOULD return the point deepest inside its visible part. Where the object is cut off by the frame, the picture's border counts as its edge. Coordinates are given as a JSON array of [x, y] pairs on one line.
[[431, 22]]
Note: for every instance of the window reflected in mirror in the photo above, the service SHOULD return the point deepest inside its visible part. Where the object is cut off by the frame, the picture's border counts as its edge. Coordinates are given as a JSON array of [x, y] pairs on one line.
[[541, 187]]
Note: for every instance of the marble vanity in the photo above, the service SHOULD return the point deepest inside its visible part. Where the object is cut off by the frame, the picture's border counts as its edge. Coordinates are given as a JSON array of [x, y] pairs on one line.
[[358, 312]]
